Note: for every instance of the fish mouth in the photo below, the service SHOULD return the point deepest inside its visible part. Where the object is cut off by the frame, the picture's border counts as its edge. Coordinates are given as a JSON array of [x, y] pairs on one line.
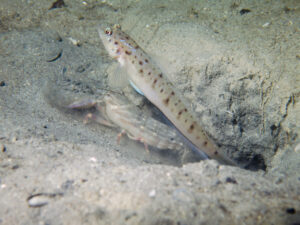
[[105, 36]]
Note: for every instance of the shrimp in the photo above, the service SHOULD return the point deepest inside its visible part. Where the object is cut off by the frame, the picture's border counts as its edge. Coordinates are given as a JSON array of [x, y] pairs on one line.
[[117, 111]]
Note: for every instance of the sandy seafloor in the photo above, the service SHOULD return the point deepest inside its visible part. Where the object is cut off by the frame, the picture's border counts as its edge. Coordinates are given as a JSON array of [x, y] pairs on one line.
[[236, 62]]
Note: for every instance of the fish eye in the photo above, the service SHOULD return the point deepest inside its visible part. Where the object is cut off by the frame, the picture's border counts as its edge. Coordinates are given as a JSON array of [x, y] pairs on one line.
[[108, 31]]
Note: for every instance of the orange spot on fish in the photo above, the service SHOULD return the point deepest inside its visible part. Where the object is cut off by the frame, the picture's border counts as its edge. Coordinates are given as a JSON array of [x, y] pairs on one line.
[[154, 82], [166, 101], [179, 114], [190, 130]]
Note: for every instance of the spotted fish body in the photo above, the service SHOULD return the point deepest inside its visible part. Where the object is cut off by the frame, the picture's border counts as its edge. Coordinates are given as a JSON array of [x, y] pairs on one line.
[[148, 78]]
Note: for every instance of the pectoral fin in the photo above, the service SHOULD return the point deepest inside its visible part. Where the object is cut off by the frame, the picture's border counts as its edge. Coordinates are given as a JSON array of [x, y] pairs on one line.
[[117, 77]]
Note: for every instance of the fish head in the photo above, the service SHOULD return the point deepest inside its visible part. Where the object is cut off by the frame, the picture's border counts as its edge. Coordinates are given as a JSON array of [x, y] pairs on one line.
[[108, 36]]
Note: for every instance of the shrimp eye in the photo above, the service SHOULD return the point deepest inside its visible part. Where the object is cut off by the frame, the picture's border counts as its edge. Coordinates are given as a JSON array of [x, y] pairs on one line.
[[108, 31]]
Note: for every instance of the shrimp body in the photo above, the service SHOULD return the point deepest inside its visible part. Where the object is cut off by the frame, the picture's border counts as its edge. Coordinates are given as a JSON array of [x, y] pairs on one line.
[[139, 127], [116, 111]]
